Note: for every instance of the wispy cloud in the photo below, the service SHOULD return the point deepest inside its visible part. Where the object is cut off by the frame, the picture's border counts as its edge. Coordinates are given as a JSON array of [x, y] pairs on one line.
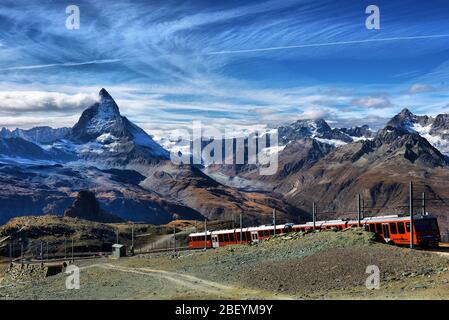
[[65, 64], [372, 102], [246, 63], [336, 43]]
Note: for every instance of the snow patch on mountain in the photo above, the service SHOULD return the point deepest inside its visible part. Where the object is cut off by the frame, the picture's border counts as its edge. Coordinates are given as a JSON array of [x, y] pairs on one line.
[[107, 138], [435, 140], [333, 142]]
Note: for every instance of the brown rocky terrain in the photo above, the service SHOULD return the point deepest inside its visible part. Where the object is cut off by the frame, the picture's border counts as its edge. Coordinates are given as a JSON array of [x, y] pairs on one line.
[[378, 169]]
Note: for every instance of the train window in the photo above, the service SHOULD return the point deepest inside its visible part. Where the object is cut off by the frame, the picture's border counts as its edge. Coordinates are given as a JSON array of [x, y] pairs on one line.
[[226, 237], [434, 224], [407, 227], [378, 228], [231, 237], [401, 229], [393, 228], [425, 225], [248, 236], [372, 227], [220, 238]]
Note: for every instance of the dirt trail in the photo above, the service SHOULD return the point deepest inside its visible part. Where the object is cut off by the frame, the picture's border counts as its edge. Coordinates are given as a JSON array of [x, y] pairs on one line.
[[195, 283]]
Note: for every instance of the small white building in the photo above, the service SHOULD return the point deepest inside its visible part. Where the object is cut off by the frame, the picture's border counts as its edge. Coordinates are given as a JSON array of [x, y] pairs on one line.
[[118, 250]]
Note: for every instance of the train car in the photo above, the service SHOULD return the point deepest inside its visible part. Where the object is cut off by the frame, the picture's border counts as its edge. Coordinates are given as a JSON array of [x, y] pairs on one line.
[[222, 238], [396, 229], [391, 229]]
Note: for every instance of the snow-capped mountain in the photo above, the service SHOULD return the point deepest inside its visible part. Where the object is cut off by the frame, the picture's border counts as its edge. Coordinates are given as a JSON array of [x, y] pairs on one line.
[[38, 135], [23, 151], [321, 131], [433, 129], [101, 128]]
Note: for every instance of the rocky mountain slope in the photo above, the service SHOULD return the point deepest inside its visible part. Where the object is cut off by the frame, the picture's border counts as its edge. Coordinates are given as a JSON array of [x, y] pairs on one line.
[[379, 170], [434, 129]]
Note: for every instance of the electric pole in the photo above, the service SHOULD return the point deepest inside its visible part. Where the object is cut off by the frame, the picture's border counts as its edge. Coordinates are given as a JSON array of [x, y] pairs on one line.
[[359, 209], [241, 227], [205, 234], [411, 214], [424, 204], [314, 215], [174, 238]]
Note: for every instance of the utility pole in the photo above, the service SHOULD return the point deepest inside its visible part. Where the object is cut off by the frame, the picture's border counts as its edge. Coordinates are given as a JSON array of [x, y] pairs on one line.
[[241, 227], [21, 254], [363, 208], [174, 238], [274, 220], [132, 236], [73, 251], [314, 215], [424, 204], [42, 253], [359, 209], [10, 252], [411, 213], [205, 234]]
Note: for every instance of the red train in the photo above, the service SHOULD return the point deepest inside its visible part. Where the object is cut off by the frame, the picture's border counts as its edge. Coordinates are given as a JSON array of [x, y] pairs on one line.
[[392, 229]]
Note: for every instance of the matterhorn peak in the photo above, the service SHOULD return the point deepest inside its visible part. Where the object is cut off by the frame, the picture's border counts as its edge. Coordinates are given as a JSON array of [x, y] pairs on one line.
[[102, 123], [100, 118], [107, 107], [406, 113], [104, 93]]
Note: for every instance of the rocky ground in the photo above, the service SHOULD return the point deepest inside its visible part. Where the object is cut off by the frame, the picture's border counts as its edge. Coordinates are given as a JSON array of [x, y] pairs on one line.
[[299, 266]]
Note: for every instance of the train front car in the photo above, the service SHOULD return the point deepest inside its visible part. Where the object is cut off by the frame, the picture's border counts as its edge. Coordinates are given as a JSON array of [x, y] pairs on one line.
[[427, 232]]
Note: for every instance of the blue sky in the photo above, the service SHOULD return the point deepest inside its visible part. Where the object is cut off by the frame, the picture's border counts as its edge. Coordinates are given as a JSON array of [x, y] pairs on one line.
[[238, 63]]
